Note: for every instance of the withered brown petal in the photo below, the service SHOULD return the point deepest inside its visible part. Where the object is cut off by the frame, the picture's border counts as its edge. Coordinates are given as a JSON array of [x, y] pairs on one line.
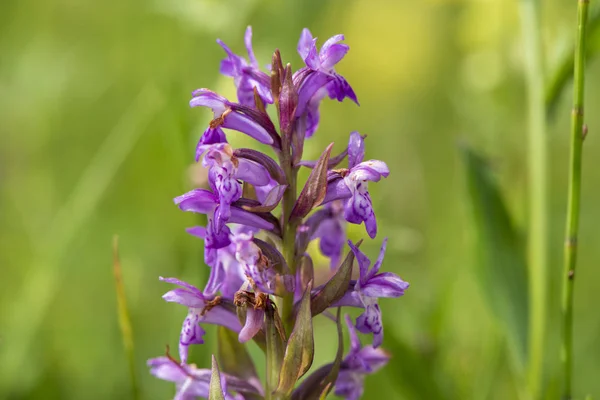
[[314, 190], [273, 255]]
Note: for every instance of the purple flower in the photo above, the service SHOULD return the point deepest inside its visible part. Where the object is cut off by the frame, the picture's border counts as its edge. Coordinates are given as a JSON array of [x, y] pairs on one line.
[[358, 363], [235, 116], [210, 136], [224, 171], [352, 185], [226, 275], [328, 225], [371, 286], [192, 382], [249, 255], [200, 310], [246, 75], [318, 78]]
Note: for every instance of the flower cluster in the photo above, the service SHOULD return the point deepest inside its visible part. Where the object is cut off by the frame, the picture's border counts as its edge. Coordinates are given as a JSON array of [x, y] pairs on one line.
[[262, 283]]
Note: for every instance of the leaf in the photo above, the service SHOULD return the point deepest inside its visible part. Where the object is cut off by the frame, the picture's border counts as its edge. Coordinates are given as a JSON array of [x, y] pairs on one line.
[[215, 389], [307, 271], [288, 101], [502, 267], [336, 287], [276, 75], [275, 339], [300, 349], [315, 187], [271, 201], [563, 74], [319, 383], [233, 356]]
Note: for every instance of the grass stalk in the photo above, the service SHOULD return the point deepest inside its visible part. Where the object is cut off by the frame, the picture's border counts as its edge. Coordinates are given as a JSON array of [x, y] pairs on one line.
[[124, 319], [578, 132], [537, 180]]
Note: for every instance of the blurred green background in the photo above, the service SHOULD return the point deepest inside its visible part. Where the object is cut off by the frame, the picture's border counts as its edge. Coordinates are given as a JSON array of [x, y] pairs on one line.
[[97, 138]]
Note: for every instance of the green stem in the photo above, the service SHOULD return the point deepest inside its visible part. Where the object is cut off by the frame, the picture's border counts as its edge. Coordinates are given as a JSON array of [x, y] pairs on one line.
[[289, 244], [538, 215], [570, 256]]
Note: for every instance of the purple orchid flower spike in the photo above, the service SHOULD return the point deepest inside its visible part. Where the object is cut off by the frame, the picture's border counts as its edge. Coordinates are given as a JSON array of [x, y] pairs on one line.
[[319, 79], [352, 185], [236, 117], [358, 363], [246, 75], [200, 310], [192, 382], [259, 229]]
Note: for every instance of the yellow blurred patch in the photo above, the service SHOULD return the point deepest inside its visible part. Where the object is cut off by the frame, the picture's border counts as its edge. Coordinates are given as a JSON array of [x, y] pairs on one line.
[[391, 43]]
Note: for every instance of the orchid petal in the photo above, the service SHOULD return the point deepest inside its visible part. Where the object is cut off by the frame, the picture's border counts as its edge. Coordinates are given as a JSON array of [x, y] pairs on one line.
[[252, 172], [254, 321], [336, 189], [333, 55], [356, 149], [370, 322], [208, 98], [198, 200], [362, 259], [244, 124], [191, 333], [184, 297], [240, 216], [386, 284], [248, 43], [305, 43]]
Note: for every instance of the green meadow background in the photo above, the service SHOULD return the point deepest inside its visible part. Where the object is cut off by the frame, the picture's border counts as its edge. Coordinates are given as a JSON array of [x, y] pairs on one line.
[[97, 138]]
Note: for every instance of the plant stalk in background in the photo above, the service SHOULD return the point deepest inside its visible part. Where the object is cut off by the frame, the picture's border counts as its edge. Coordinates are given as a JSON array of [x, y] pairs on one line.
[[578, 132], [537, 180]]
